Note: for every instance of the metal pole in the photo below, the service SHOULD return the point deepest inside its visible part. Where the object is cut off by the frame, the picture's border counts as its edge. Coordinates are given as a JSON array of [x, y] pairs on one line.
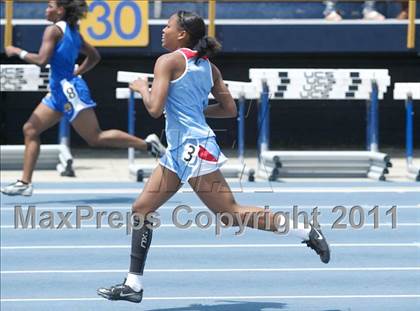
[[264, 116], [409, 129], [411, 31], [8, 29], [374, 117], [368, 125], [131, 124], [241, 128], [64, 132], [212, 17]]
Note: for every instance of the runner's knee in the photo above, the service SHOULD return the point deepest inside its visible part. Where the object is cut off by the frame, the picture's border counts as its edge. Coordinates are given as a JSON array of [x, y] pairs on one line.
[[29, 130], [93, 142], [95, 139]]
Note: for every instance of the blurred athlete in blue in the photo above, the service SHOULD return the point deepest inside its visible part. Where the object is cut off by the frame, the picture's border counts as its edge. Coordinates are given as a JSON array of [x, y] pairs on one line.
[[69, 95], [183, 79]]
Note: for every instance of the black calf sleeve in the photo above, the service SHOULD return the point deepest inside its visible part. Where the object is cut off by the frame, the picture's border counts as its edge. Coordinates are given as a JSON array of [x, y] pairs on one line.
[[140, 243]]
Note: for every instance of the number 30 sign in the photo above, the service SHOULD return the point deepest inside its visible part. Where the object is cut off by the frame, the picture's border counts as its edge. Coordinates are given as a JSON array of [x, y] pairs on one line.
[[116, 23]]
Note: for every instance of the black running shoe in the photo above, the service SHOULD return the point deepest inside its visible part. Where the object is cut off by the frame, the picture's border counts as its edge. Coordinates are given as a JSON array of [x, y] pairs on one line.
[[319, 244], [120, 292]]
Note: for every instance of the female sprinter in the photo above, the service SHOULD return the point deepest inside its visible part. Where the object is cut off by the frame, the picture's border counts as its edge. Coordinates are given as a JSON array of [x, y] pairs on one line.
[[183, 79], [69, 94]]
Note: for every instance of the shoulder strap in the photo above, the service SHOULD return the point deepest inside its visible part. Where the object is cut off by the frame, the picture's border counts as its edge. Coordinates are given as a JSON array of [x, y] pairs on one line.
[[62, 25]]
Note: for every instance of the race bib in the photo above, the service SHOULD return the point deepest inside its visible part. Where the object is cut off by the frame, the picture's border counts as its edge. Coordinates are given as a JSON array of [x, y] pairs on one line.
[[72, 96], [190, 154], [70, 91]]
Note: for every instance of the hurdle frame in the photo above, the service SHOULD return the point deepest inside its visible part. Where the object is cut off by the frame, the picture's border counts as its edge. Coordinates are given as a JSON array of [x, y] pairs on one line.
[[282, 164], [241, 91], [32, 78], [409, 92]]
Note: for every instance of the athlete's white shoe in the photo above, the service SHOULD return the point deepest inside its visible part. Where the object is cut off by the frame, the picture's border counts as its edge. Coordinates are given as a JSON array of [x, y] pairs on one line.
[[155, 147], [18, 188]]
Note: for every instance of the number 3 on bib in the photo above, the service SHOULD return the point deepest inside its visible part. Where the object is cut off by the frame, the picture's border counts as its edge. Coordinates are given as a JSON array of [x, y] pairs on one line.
[[190, 154]]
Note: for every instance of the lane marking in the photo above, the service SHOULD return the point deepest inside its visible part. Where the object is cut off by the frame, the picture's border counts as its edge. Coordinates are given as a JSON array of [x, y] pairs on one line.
[[113, 191], [166, 246], [324, 226], [200, 207], [353, 269], [220, 298]]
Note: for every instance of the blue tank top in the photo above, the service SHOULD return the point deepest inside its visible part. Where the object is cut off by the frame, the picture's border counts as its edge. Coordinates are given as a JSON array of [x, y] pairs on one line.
[[64, 57], [187, 99]]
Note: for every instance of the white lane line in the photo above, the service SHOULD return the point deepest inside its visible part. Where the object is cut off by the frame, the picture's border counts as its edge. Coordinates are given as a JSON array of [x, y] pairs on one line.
[[220, 298], [262, 190], [353, 269], [199, 207], [167, 246], [172, 226]]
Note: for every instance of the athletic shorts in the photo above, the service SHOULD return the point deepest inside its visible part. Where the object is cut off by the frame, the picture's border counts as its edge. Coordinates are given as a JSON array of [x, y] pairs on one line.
[[69, 98], [195, 157]]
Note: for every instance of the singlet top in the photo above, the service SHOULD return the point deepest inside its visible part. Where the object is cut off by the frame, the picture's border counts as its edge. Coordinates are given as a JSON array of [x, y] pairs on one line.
[[65, 55], [187, 99]]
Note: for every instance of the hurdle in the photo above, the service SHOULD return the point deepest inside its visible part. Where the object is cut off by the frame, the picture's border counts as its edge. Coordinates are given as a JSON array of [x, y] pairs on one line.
[[409, 92], [241, 91], [369, 85], [32, 78]]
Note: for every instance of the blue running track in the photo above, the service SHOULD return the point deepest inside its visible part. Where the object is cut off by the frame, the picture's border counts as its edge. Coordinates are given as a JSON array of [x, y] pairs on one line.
[[193, 269]]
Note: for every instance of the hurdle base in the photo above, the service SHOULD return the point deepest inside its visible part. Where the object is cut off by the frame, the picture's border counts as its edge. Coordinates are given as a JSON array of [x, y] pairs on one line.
[[413, 172], [138, 172], [67, 170], [323, 164], [238, 171], [54, 156]]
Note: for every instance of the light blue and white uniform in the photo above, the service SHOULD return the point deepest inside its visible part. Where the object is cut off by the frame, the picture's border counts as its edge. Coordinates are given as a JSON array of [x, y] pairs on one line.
[[68, 94], [192, 148]]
